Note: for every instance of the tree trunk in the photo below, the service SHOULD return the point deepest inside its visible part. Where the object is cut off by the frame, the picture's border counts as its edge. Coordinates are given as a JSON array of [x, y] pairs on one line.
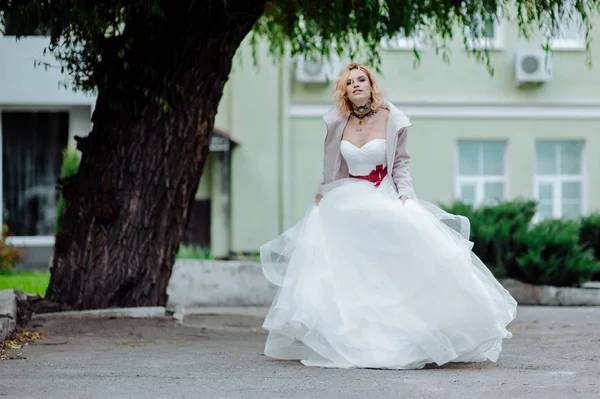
[[128, 206]]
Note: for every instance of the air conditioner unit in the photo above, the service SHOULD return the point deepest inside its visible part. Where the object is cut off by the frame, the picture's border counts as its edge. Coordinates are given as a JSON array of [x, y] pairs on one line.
[[533, 67], [315, 71]]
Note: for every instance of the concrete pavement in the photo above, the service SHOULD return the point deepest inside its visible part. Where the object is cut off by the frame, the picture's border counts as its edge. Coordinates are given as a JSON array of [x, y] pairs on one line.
[[555, 353]]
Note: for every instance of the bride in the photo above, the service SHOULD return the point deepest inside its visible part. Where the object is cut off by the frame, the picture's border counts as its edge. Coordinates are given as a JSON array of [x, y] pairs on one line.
[[373, 277]]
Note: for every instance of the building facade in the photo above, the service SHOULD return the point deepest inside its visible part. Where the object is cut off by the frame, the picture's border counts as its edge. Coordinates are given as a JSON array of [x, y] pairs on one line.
[[532, 131]]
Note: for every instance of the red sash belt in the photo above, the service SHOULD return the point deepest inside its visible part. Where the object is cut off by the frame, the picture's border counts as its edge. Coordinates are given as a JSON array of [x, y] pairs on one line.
[[376, 175]]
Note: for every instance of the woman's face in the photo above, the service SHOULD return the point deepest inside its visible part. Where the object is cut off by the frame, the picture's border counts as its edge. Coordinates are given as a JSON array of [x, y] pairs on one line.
[[358, 87]]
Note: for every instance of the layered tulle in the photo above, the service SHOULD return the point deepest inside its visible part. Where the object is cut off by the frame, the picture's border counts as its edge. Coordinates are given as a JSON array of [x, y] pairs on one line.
[[368, 282]]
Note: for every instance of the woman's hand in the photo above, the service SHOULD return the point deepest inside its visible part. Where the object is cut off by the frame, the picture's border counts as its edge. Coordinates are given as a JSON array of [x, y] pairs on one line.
[[318, 198], [403, 198]]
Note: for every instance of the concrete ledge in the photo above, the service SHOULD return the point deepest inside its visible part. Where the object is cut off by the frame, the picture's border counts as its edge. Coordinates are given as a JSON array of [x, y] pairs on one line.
[[543, 295], [135, 313], [591, 284], [8, 313], [196, 283]]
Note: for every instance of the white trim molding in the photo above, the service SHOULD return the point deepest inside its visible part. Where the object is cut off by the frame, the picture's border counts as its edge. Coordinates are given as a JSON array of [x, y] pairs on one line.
[[472, 111]]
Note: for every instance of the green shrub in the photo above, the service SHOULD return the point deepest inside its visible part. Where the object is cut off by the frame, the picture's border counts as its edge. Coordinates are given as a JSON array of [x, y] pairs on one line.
[[553, 252], [493, 232], [589, 236], [500, 226], [553, 255], [70, 166], [480, 234], [9, 255]]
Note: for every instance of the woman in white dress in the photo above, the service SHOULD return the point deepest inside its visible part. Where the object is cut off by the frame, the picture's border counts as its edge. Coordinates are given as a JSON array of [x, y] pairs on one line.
[[372, 277]]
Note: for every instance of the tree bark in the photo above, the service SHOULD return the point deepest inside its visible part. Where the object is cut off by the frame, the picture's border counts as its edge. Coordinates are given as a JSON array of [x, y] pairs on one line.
[[128, 206]]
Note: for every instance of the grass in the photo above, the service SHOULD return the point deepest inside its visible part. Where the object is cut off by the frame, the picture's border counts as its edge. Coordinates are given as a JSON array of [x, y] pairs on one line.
[[36, 282], [29, 282], [191, 252]]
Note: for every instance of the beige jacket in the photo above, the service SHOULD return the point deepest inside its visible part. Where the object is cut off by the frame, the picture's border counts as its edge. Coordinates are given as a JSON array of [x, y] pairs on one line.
[[398, 158]]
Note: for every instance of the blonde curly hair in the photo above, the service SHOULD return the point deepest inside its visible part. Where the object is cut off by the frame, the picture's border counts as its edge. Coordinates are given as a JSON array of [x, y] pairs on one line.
[[340, 98]]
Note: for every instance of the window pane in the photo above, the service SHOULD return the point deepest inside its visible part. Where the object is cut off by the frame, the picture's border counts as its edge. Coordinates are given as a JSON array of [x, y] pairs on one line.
[[493, 192], [467, 193], [545, 200], [493, 159], [468, 158], [545, 192], [32, 144], [544, 211], [571, 209], [569, 28], [571, 191], [546, 162], [484, 28], [489, 29], [570, 157]]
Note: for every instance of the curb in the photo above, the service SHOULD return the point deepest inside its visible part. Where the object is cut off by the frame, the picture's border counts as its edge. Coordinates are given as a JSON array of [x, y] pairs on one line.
[[251, 311], [8, 313], [131, 313], [544, 295]]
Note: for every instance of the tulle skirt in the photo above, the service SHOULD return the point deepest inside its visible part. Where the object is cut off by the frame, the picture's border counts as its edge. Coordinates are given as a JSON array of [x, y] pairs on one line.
[[365, 281]]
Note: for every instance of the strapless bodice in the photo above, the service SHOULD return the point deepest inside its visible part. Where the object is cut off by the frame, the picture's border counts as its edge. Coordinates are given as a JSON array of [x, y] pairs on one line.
[[362, 160]]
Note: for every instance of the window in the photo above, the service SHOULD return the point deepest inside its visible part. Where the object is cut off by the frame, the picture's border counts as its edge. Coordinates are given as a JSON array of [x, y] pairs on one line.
[[488, 34], [32, 145], [13, 27], [402, 42], [568, 35], [559, 179], [481, 172]]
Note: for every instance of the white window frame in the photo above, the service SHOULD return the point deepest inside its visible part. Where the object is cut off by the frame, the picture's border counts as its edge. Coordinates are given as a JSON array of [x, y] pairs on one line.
[[480, 180], [498, 43], [29, 241], [556, 182], [400, 42], [562, 44], [558, 179]]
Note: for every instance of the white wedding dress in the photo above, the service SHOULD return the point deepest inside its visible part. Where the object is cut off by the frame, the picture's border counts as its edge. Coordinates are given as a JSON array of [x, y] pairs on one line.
[[368, 282]]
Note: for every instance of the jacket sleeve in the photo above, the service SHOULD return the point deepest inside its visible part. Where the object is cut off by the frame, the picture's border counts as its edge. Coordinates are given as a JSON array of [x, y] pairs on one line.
[[320, 188], [322, 183], [401, 173]]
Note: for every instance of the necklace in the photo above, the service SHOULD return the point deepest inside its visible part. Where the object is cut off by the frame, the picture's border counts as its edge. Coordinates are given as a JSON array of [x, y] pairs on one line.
[[362, 109], [362, 119]]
